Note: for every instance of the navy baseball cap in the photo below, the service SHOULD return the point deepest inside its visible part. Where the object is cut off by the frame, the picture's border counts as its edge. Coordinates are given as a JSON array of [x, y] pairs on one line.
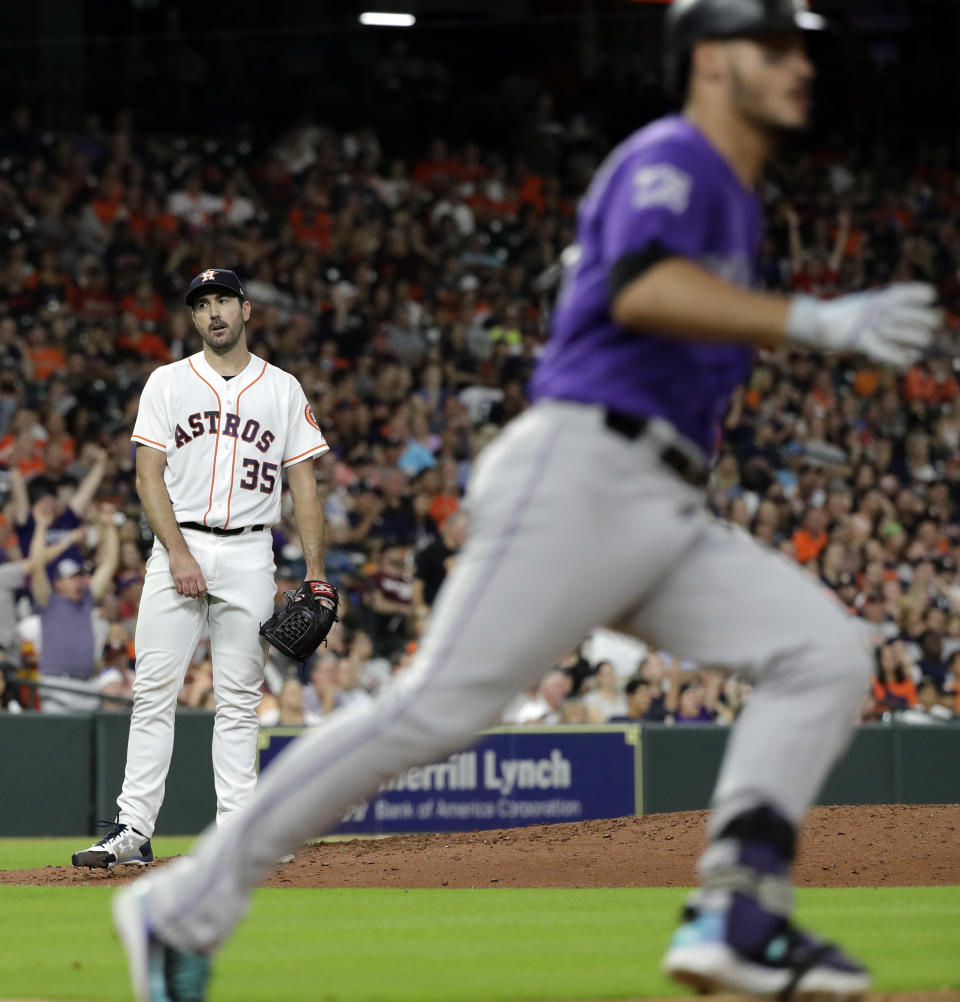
[[214, 278]]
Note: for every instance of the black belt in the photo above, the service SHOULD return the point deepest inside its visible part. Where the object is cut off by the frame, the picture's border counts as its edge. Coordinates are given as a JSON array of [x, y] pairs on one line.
[[217, 531], [689, 469]]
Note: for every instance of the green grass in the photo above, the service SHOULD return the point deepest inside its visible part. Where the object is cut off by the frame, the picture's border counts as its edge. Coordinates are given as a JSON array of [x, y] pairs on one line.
[[31, 854], [455, 945]]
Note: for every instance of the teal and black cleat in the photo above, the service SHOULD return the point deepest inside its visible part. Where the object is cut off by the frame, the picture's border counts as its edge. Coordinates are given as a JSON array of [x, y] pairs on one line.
[[791, 965], [158, 972]]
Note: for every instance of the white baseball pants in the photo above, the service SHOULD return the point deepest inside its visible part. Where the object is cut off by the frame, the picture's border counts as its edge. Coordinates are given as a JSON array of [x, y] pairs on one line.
[[239, 573], [572, 526]]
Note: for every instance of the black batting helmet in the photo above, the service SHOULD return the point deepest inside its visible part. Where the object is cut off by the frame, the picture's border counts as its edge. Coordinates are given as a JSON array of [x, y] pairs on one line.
[[689, 21]]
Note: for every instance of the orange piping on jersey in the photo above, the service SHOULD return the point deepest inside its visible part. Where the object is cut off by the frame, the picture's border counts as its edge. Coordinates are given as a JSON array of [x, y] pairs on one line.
[[293, 459], [233, 461], [216, 448], [148, 441]]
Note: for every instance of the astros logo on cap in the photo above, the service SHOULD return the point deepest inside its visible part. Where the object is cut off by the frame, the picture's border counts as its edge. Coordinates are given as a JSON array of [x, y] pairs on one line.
[[209, 275]]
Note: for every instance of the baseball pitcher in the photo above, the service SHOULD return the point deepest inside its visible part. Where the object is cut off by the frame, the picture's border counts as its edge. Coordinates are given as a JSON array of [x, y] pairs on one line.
[[215, 433]]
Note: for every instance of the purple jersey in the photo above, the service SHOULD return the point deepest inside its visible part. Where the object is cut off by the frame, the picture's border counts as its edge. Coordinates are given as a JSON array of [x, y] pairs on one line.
[[665, 191]]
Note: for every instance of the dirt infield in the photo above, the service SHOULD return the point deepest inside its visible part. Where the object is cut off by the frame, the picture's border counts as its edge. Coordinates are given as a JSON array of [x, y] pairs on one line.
[[881, 846]]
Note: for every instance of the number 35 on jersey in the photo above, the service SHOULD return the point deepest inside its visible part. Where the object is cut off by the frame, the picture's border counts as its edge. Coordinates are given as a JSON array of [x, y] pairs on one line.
[[226, 440]]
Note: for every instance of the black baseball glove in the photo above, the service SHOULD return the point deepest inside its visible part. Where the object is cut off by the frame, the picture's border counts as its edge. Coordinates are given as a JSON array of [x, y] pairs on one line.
[[305, 619]]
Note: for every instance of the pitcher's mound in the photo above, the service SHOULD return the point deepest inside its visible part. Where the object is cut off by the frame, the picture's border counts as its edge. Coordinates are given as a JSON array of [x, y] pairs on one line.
[[868, 846]]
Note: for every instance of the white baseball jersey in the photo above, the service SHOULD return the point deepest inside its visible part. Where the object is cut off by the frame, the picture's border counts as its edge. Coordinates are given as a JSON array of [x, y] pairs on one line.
[[226, 440]]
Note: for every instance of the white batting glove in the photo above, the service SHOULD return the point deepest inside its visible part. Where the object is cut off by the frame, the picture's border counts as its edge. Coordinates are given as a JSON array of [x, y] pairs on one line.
[[894, 325]]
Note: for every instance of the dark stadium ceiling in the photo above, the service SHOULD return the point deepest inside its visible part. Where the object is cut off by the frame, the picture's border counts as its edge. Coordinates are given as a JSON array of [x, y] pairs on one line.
[[182, 61], [59, 21]]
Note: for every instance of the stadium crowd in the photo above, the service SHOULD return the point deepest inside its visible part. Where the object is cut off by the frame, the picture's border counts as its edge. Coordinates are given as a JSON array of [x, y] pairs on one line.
[[411, 295]]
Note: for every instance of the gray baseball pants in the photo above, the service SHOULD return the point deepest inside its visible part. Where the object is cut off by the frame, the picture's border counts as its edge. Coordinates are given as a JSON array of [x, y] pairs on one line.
[[572, 526]]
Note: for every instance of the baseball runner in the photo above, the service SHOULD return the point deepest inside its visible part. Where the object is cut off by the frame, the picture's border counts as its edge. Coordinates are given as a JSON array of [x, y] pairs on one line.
[[214, 432], [653, 330]]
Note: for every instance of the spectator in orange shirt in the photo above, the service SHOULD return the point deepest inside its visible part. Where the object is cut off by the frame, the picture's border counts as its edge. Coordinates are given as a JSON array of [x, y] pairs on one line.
[[145, 304], [145, 212], [92, 298], [867, 381], [918, 384], [22, 446], [823, 392], [893, 688], [447, 499], [812, 535], [531, 193], [140, 342], [46, 358], [106, 199], [930, 382], [439, 168], [60, 443], [311, 224]]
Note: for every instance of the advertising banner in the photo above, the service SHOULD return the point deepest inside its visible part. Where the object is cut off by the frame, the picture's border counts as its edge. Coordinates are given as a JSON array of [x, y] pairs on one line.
[[509, 778]]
